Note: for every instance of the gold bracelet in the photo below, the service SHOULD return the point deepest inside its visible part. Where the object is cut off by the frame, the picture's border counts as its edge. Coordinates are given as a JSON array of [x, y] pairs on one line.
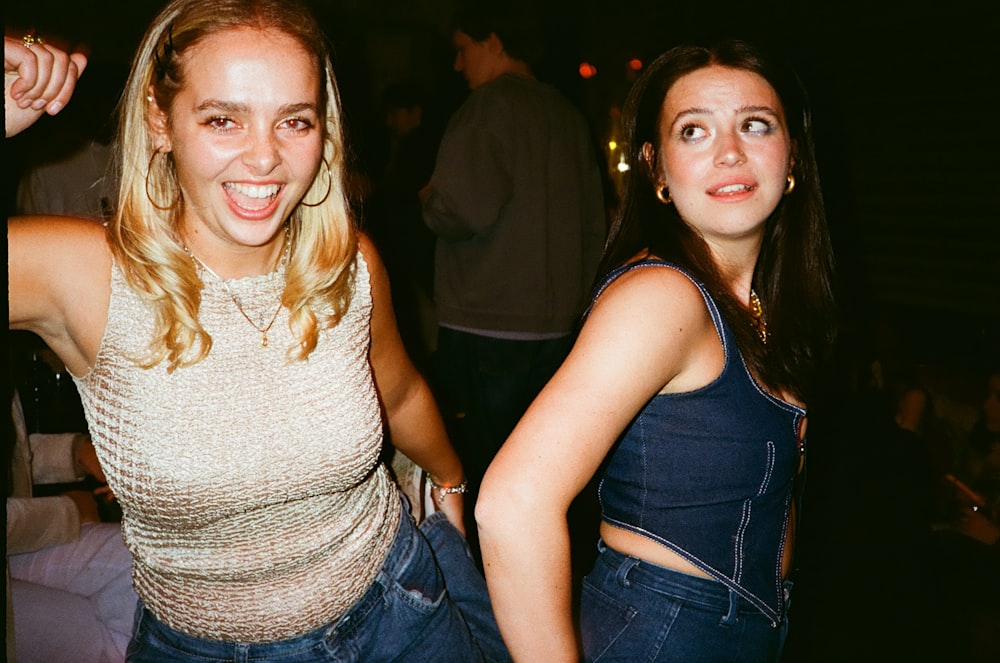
[[444, 491]]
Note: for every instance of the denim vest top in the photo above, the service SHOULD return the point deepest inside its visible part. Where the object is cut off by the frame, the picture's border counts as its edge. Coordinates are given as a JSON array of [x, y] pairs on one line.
[[709, 473]]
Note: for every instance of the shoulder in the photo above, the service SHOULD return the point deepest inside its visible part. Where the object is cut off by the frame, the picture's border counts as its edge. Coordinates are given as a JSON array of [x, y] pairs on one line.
[[651, 287], [53, 228], [487, 103], [657, 313], [368, 254], [64, 246], [370, 262]]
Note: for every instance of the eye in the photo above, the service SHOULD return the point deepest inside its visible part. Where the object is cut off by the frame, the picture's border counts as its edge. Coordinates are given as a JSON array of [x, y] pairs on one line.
[[298, 124], [757, 126], [221, 123], [692, 132]]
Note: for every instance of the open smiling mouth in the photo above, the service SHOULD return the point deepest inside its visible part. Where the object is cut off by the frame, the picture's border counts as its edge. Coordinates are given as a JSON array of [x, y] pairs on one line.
[[252, 197]]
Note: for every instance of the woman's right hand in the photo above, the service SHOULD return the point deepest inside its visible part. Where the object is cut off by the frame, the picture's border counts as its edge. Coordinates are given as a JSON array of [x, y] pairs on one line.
[[38, 78]]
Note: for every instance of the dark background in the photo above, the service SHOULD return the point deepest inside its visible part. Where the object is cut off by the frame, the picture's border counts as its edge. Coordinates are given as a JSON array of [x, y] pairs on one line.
[[905, 94], [906, 103]]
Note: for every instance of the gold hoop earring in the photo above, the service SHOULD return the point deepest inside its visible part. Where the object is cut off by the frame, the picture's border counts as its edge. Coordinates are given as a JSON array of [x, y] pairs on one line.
[[663, 194], [329, 187], [149, 169], [791, 184]]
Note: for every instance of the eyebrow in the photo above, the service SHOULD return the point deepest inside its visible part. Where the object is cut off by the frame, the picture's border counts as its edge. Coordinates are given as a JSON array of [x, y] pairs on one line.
[[739, 111], [236, 107]]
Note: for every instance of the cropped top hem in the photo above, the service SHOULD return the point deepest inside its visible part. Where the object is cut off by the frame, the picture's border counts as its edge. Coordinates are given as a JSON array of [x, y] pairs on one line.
[[709, 473], [716, 574]]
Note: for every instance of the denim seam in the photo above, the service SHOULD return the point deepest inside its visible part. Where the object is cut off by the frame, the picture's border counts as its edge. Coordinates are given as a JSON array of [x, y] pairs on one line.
[[645, 473]]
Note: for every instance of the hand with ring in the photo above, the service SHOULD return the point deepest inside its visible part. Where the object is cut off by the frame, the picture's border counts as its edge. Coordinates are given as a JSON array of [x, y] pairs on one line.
[[38, 78]]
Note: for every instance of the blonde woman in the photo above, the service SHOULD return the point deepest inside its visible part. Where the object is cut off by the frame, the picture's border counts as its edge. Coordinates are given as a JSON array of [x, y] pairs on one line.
[[232, 338]]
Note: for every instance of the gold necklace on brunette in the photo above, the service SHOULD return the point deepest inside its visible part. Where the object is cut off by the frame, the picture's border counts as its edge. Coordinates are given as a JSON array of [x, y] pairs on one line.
[[263, 329], [757, 311]]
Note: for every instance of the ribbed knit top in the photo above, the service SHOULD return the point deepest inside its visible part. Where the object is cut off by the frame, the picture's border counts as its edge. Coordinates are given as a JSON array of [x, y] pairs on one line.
[[252, 494]]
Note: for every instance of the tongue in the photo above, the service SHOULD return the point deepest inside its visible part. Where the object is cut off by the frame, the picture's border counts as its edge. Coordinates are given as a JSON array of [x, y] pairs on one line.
[[247, 202]]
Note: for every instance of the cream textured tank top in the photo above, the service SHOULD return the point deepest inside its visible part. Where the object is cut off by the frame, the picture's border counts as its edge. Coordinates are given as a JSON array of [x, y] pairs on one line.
[[254, 501]]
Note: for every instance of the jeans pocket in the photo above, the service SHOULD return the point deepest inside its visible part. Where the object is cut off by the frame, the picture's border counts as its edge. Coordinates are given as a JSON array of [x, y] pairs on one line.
[[419, 583], [603, 620]]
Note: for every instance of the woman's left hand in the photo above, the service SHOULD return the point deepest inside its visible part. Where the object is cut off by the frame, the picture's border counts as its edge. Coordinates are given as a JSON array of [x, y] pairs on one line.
[[38, 78]]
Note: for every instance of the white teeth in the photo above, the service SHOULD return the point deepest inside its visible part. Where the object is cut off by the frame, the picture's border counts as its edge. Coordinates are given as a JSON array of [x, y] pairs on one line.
[[734, 188], [254, 191]]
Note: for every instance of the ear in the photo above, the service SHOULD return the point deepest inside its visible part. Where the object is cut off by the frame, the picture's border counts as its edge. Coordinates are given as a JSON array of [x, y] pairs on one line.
[[159, 123], [648, 154]]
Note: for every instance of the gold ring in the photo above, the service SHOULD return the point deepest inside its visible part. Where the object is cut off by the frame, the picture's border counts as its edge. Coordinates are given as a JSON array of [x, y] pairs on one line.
[[31, 38]]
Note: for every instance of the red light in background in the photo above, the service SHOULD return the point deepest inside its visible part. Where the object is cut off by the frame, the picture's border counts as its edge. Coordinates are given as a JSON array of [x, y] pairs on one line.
[[635, 64], [587, 70]]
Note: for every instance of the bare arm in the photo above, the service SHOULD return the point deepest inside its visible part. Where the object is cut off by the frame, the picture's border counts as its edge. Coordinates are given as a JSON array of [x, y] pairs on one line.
[[59, 284], [56, 266], [415, 424], [647, 333]]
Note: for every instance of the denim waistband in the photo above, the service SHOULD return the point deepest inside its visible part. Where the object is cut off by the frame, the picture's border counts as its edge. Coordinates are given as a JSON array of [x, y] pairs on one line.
[[629, 570], [402, 549]]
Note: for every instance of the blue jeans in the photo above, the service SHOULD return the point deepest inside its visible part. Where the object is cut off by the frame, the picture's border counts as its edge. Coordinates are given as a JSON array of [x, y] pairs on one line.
[[428, 603], [636, 611]]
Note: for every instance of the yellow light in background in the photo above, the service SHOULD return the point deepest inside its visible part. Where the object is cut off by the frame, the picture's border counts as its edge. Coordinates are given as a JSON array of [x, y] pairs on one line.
[[613, 145]]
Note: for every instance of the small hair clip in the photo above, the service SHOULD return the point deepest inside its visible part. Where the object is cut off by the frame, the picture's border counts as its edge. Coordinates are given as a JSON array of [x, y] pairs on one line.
[[168, 48]]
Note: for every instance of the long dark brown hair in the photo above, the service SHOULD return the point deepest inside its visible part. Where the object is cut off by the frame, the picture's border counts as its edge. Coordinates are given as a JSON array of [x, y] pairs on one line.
[[794, 272]]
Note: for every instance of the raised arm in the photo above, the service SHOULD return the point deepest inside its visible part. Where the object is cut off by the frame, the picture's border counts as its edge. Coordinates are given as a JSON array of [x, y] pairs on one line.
[[58, 268], [415, 424], [59, 272], [643, 336], [38, 78]]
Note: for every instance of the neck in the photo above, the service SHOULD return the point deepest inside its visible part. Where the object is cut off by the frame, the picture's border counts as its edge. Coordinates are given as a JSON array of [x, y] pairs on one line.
[[508, 65], [737, 262], [235, 262]]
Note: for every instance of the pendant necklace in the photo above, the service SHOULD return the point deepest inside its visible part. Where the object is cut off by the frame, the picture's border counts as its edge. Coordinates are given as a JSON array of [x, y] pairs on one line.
[[263, 329], [757, 311]]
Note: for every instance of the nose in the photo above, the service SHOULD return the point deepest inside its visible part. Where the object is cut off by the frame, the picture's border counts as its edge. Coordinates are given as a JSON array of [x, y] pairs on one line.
[[729, 150], [262, 154]]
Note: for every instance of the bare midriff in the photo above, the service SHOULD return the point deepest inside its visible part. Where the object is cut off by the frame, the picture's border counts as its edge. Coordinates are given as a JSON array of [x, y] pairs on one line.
[[646, 549]]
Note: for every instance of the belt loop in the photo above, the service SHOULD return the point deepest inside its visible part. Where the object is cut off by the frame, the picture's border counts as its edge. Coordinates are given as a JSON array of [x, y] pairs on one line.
[[621, 576], [734, 609]]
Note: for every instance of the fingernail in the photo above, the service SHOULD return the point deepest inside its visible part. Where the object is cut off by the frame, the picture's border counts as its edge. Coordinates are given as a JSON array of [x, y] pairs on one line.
[[39, 104], [54, 107]]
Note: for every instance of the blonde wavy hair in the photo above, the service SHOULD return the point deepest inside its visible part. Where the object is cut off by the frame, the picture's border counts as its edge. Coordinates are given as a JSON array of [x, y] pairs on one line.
[[143, 232]]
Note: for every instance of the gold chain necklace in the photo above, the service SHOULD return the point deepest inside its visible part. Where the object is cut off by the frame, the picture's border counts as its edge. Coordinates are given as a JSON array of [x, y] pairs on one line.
[[263, 330], [757, 311]]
